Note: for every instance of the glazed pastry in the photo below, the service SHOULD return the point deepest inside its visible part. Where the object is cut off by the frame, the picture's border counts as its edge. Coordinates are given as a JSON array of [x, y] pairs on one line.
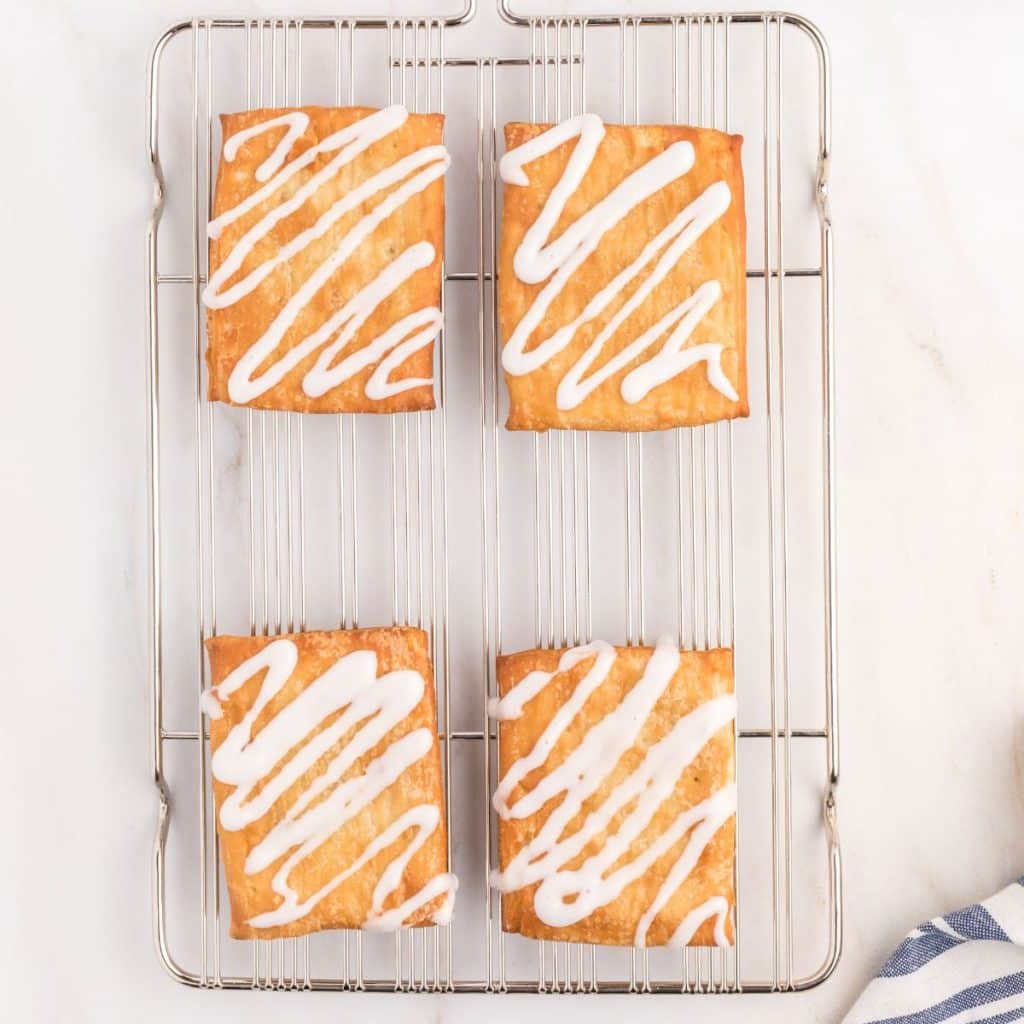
[[622, 281], [325, 259], [327, 781], [617, 800]]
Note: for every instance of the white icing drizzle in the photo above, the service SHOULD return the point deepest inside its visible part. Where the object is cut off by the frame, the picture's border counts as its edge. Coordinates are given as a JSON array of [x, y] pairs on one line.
[[565, 896], [404, 179], [370, 707], [511, 705], [538, 258], [296, 122], [716, 907]]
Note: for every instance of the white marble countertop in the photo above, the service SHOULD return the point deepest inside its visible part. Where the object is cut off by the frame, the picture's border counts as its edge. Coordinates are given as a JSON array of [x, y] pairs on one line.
[[931, 363]]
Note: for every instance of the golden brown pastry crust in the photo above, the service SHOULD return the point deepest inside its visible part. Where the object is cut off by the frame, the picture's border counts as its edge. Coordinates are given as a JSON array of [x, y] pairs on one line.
[[701, 676], [348, 905], [720, 253], [234, 329]]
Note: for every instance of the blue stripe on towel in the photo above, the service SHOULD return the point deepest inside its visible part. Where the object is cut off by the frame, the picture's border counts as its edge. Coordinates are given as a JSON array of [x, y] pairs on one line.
[[1003, 1018], [917, 950], [968, 999], [976, 923], [984, 982]]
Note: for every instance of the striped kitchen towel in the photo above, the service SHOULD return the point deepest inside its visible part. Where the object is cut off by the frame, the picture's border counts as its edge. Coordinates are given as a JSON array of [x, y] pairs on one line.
[[966, 966]]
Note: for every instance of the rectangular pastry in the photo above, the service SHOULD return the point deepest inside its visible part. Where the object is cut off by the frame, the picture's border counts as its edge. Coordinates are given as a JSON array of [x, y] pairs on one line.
[[326, 247], [622, 276], [327, 781], [617, 800]]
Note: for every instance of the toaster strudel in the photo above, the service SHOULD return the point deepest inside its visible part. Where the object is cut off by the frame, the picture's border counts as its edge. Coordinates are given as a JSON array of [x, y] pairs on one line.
[[617, 800], [327, 781], [325, 259], [622, 276]]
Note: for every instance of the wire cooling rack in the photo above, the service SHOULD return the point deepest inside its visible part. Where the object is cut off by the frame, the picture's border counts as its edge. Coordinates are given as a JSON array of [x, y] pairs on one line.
[[719, 535]]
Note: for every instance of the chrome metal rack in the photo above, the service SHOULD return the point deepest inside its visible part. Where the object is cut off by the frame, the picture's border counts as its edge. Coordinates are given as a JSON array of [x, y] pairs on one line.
[[239, 498]]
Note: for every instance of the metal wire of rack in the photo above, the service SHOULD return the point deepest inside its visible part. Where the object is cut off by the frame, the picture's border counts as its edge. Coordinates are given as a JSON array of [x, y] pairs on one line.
[[278, 482]]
